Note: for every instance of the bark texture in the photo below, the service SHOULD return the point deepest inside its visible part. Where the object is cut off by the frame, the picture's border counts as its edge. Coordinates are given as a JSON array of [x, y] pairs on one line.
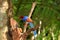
[[3, 19]]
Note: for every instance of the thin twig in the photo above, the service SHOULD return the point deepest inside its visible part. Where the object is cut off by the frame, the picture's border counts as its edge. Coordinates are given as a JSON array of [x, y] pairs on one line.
[[30, 14]]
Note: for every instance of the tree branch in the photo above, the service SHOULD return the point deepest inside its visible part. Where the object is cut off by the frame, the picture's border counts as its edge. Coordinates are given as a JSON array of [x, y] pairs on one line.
[[30, 14], [24, 36]]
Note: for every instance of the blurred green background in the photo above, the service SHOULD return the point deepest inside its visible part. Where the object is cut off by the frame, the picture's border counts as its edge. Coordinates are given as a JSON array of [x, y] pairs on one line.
[[48, 11]]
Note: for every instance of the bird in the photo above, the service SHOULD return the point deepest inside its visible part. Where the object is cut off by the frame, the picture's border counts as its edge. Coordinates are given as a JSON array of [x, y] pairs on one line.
[[30, 22], [26, 18]]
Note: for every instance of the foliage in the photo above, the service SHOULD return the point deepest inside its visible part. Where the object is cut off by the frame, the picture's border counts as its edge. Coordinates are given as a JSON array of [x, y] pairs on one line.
[[48, 11]]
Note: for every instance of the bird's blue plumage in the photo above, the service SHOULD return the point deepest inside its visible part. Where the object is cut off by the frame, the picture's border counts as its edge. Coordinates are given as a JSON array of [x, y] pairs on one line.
[[32, 26], [25, 18], [30, 23]]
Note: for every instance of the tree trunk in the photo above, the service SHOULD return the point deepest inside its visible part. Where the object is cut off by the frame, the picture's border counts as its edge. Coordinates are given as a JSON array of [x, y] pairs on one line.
[[3, 20]]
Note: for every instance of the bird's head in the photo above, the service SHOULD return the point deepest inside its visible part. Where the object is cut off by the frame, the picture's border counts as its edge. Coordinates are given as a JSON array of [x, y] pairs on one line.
[[21, 17]]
